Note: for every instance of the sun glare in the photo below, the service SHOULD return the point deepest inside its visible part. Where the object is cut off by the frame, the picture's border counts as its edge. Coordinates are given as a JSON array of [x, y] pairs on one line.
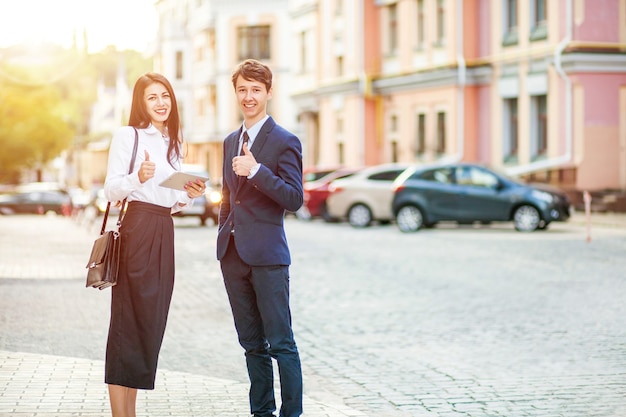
[[127, 24]]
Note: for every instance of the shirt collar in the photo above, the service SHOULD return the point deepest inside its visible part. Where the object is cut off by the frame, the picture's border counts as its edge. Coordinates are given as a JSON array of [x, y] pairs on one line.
[[152, 130], [254, 130]]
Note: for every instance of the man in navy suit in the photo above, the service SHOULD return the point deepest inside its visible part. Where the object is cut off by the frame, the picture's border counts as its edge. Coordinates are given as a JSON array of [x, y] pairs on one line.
[[262, 178]]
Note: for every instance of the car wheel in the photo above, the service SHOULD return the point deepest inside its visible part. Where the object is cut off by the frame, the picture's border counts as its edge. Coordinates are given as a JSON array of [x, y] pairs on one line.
[[359, 215], [526, 218], [409, 219], [325, 215], [543, 225]]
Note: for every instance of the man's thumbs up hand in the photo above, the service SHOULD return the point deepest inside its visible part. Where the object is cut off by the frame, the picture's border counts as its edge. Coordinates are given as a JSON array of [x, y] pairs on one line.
[[244, 163], [146, 171]]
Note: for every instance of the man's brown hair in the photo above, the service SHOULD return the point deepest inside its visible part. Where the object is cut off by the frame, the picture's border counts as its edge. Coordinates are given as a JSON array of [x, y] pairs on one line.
[[253, 70]]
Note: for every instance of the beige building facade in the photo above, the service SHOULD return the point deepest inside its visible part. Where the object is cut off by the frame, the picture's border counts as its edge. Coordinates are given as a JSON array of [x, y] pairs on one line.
[[198, 46]]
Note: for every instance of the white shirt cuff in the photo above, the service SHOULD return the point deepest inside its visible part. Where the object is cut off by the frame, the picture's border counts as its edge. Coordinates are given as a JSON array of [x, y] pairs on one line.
[[254, 170]]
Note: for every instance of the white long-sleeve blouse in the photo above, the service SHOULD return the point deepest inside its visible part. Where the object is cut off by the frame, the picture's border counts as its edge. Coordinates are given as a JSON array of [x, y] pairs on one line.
[[119, 184]]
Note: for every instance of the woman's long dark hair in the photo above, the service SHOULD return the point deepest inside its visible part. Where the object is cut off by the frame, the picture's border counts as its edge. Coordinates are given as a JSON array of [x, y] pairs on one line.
[[140, 118]]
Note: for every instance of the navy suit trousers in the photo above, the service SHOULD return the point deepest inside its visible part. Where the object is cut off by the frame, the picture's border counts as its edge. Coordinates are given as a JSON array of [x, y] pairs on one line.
[[259, 299]]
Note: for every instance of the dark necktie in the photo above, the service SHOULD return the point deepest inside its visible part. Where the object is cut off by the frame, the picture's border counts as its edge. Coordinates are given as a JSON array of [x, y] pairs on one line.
[[246, 138]]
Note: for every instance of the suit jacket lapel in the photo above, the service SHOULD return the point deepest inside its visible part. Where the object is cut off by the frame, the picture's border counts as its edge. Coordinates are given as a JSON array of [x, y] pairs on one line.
[[233, 151], [261, 138], [235, 147]]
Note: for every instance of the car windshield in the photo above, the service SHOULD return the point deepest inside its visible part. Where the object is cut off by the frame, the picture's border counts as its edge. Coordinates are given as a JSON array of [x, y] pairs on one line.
[[316, 175], [500, 172]]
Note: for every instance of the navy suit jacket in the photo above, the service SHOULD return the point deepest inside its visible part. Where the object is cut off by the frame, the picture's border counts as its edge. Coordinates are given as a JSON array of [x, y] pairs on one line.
[[255, 208]]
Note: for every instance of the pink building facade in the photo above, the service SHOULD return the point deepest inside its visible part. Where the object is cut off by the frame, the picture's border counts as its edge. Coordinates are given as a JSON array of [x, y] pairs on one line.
[[536, 88]]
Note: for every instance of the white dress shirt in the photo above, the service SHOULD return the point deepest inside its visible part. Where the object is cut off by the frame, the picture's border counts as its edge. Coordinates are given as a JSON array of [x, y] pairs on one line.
[[119, 184]]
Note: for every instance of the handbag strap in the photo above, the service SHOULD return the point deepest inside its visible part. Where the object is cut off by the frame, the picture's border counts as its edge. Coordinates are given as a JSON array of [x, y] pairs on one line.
[[130, 171]]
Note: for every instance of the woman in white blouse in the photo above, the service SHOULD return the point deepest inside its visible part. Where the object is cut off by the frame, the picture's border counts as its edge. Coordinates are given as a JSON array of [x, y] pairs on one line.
[[140, 301]]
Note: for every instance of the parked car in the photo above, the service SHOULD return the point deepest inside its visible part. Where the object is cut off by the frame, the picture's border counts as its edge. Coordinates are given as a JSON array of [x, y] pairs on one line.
[[468, 193], [100, 203], [364, 196], [206, 206], [36, 202], [80, 198], [316, 192], [311, 174], [315, 173]]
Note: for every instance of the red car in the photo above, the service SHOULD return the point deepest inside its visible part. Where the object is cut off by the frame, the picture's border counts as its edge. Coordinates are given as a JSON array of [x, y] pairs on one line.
[[315, 173], [316, 192]]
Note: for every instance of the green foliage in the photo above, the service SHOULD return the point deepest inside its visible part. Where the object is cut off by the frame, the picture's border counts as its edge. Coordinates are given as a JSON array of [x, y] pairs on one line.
[[46, 96], [32, 131]]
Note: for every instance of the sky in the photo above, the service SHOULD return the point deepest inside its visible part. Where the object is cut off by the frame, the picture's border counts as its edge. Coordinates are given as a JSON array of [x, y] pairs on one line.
[[127, 24]]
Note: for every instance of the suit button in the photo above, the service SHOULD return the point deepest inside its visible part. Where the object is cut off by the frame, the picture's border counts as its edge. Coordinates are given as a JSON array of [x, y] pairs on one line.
[[237, 202]]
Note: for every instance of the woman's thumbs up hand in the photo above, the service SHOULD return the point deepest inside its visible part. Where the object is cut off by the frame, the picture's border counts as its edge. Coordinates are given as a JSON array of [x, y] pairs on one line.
[[146, 171]]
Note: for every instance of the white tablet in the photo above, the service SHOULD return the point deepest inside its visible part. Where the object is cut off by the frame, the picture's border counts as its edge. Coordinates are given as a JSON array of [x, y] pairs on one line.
[[178, 180]]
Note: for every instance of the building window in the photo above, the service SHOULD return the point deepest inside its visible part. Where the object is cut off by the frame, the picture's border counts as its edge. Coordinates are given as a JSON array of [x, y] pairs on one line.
[[394, 151], [338, 7], [420, 24], [441, 23], [339, 61], [179, 65], [510, 145], [421, 134], [538, 13], [200, 107], [392, 28], [253, 42], [441, 133], [539, 128], [510, 22], [212, 98], [340, 153], [339, 124], [303, 52], [210, 35]]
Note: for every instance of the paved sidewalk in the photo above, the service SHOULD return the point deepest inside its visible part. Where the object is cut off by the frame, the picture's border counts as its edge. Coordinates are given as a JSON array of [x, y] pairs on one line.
[[41, 290], [34, 384], [46, 386]]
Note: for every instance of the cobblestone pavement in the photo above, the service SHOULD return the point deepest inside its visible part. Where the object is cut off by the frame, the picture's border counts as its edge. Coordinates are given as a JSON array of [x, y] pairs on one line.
[[453, 321]]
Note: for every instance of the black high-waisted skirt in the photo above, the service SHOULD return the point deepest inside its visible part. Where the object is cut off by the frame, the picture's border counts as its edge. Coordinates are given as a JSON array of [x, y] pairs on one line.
[[140, 301]]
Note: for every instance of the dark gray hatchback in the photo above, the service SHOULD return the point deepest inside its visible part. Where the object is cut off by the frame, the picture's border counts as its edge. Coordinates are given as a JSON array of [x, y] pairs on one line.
[[466, 193]]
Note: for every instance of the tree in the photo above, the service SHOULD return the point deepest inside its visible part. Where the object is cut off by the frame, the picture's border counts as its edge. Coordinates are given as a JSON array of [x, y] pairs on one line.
[[32, 130], [46, 96]]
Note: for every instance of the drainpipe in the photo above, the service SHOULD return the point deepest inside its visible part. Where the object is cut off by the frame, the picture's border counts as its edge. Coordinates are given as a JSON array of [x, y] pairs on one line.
[[462, 76], [558, 66]]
